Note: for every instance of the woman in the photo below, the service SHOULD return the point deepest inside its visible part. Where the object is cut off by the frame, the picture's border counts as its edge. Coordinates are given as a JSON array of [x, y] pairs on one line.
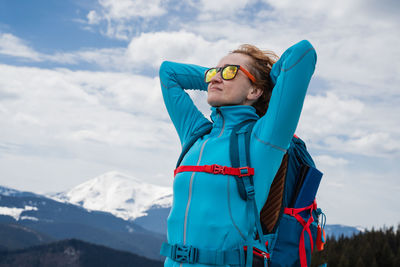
[[208, 215]]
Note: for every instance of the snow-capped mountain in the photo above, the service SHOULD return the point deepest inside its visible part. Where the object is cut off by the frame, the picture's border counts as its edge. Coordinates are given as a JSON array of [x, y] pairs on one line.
[[123, 196]]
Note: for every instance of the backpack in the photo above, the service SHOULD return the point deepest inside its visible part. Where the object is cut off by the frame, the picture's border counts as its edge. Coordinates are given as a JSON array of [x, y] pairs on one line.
[[286, 232]]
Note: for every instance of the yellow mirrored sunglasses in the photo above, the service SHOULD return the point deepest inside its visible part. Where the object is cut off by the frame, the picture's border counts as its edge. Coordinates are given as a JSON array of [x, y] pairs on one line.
[[228, 72]]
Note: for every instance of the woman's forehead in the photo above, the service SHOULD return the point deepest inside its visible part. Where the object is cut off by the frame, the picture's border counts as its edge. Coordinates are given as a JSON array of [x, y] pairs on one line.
[[234, 59]]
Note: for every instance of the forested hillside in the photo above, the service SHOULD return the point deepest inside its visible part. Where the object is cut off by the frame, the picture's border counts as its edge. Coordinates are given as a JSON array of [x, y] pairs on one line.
[[73, 253], [370, 248]]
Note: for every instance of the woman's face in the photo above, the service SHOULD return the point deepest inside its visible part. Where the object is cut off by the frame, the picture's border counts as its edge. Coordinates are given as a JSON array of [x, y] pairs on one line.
[[238, 91]]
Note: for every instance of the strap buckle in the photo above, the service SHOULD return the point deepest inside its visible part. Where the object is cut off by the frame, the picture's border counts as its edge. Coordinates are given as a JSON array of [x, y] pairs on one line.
[[290, 211], [246, 171], [217, 169], [182, 253], [250, 191]]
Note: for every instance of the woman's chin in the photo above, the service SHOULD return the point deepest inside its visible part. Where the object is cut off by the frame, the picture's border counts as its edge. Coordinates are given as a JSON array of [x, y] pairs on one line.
[[213, 102]]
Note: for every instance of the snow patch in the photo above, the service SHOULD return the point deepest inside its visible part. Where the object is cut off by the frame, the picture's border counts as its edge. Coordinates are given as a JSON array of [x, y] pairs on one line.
[[360, 228], [16, 212], [29, 218]]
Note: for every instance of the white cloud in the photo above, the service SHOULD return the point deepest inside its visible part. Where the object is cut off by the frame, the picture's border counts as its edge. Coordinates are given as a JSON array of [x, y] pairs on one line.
[[211, 10], [120, 16], [329, 108], [223, 5], [153, 48], [57, 97], [93, 17], [11, 45], [327, 160], [349, 126], [107, 58], [127, 9]]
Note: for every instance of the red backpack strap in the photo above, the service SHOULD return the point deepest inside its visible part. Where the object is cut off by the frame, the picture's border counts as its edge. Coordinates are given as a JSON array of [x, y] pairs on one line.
[[306, 227], [216, 169]]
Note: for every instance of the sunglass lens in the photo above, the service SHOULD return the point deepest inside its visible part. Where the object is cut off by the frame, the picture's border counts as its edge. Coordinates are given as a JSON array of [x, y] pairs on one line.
[[229, 72], [210, 74]]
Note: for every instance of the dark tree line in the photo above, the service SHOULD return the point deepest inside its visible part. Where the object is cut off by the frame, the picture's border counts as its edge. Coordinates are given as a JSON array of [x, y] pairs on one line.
[[370, 248], [73, 253]]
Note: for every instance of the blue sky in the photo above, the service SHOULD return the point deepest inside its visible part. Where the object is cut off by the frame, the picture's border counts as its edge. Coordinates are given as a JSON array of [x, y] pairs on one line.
[[80, 96], [52, 25]]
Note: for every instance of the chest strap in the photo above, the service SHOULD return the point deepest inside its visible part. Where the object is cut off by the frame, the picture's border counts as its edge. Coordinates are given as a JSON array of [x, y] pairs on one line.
[[216, 169]]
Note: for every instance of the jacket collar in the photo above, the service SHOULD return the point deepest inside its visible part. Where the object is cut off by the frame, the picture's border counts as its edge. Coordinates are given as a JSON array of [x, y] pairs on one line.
[[230, 116]]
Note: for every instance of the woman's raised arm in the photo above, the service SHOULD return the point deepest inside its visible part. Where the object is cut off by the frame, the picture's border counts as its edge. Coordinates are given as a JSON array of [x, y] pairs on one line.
[[291, 75], [174, 78]]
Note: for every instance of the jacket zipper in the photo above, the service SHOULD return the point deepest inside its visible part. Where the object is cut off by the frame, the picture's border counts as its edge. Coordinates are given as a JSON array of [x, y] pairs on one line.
[[192, 178]]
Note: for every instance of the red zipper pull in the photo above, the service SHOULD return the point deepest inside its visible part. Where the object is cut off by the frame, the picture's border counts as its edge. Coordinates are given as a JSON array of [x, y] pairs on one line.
[[321, 240]]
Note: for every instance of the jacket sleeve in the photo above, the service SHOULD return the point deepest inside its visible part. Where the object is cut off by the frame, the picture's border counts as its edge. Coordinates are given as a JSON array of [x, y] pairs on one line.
[[174, 78], [291, 75]]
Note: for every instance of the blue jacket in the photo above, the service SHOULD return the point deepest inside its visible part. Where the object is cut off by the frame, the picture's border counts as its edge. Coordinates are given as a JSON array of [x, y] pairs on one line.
[[207, 210]]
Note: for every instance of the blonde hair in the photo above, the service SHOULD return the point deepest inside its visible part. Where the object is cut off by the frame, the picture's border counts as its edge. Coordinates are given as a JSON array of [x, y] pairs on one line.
[[260, 67]]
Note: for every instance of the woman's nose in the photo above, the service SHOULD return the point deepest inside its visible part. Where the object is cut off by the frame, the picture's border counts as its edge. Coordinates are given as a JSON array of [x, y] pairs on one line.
[[216, 78]]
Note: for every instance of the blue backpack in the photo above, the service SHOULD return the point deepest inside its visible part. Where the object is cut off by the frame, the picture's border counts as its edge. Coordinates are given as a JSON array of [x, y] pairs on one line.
[[289, 224]]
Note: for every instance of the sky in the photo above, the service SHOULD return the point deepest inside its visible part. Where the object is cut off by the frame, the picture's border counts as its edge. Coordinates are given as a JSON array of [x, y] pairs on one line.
[[80, 94]]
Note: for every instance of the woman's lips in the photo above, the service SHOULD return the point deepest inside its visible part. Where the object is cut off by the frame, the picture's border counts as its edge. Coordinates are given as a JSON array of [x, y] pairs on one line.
[[215, 89]]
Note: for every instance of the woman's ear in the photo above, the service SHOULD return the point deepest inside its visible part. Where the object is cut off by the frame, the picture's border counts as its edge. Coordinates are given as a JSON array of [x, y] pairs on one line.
[[254, 94]]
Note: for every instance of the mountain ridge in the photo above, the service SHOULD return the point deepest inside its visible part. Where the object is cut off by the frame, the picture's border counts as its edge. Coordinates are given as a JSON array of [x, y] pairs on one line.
[[59, 220]]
